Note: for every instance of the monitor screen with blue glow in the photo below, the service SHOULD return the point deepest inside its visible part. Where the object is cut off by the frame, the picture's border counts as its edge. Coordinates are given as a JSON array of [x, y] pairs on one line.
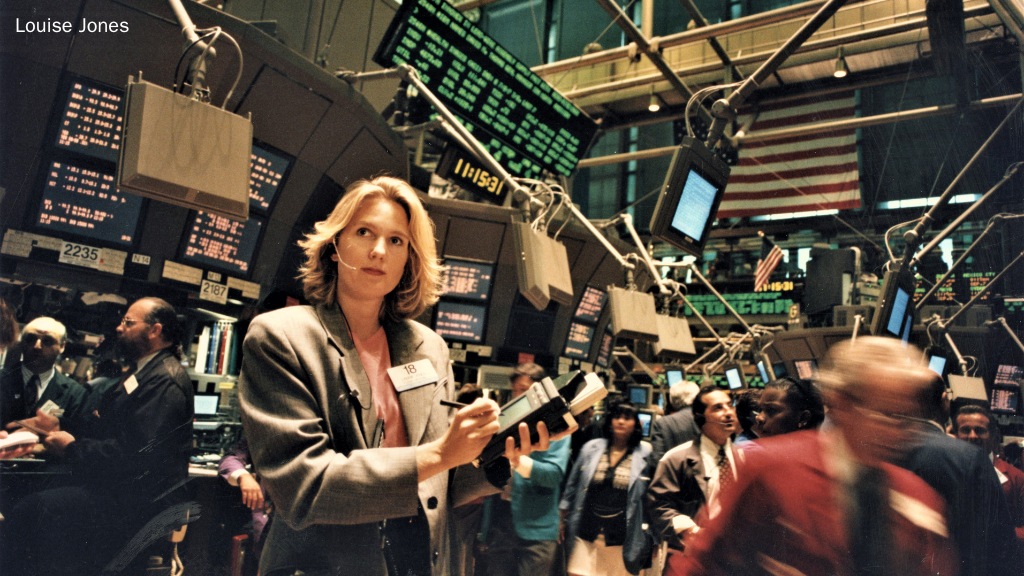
[[673, 376]]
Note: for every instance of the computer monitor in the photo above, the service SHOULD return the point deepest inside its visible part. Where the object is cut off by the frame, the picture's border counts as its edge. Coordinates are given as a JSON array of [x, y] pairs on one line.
[[690, 196], [805, 369], [937, 363], [764, 371], [673, 376], [207, 405], [639, 394], [1005, 400], [646, 419], [895, 306], [461, 321], [734, 376], [659, 399]]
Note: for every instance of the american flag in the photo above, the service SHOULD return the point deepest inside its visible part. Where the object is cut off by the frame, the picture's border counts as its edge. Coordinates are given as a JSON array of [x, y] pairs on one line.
[[796, 173], [771, 255]]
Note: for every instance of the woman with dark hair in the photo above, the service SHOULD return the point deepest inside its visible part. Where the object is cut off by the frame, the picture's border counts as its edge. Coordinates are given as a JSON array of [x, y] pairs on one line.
[[597, 494], [788, 405]]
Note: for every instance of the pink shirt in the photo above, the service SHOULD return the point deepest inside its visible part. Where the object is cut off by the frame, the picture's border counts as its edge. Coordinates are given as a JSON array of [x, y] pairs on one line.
[[376, 359]]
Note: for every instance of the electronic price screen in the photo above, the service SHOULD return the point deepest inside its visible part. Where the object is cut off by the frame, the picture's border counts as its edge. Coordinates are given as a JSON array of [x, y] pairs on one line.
[[806, 369], [976, 282], [467, 279], [1007, 374], [90, 123], [521, 120], [591, 305], [222, 243], [266, 171], [87, 202], [946, 292], [577, 344], [604, 355], [462, 321], [1005, 400]]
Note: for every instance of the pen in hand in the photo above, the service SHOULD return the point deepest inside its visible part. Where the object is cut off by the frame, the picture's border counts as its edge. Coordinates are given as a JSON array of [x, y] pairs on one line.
[[453, 404]]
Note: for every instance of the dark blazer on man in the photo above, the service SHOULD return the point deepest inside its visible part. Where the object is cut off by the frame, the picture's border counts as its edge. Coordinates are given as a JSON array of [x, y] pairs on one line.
[[136, 445], [65, 392], [979, 519], [671, 431]]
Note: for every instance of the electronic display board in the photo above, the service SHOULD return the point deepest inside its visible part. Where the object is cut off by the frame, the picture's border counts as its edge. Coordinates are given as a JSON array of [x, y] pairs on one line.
[[267, 170], [461, 321], [946, 292], [976, 282], [577, 344], [1005, 400], [604, 355], [91, 119], [467, 279], [591, 305], [86, 201], [521, 119], [1008, 375], [222, 243]]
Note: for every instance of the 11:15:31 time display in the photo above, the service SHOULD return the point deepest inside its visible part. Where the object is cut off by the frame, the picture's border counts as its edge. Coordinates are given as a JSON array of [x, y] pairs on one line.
[[478, 176]]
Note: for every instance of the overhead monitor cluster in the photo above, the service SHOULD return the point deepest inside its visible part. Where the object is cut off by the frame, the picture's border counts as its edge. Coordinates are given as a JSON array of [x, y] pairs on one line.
[[79, 196], [523, 122], [222, 243], [461, 314], [580, 340]]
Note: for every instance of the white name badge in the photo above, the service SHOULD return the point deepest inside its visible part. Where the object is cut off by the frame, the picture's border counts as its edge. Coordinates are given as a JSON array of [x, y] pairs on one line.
[[131, 384], [414, 375]]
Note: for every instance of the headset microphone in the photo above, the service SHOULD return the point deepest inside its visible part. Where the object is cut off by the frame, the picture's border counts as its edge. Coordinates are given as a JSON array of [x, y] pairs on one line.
[[337, 258]]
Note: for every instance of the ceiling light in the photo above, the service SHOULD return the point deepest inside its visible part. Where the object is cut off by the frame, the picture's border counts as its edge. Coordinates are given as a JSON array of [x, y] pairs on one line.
[[655, 103], [841, 68]]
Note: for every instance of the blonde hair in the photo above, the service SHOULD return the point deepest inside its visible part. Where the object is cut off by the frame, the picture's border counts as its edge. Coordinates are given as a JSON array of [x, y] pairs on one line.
[[849, 361], [420, 285]]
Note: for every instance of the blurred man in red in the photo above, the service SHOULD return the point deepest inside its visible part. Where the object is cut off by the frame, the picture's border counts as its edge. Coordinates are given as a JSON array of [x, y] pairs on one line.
[[823, 503]]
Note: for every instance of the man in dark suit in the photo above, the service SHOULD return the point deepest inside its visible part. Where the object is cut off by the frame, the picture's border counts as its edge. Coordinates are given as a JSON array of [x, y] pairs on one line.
[[979, 519], [129, 461], [976, 425], [820, 503], [34, 383], [689, 479], [678, 427]]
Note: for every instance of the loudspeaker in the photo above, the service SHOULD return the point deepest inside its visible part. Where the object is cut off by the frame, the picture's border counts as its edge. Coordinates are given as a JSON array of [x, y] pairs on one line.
[[531, 256], [633, 314], [967, 389], [559, 276], [184, 152], [674, 337]]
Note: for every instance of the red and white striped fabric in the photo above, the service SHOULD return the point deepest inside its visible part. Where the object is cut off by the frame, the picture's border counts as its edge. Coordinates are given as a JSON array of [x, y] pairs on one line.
[[798, 173]]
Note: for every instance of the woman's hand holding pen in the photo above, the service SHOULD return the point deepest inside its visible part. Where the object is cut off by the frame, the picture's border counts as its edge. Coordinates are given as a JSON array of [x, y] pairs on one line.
[[470, 431], [467, 436]]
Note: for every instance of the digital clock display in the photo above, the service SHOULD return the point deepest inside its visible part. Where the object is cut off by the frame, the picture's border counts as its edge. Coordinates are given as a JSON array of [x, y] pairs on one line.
[[522, 120], [464, 170]]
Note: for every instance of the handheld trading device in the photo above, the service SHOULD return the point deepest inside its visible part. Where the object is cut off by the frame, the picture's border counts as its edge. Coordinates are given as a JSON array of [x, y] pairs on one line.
[[553, 402]]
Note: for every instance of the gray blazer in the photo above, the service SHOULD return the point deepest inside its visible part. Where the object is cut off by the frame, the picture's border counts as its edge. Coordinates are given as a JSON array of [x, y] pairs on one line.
[[308, 414]]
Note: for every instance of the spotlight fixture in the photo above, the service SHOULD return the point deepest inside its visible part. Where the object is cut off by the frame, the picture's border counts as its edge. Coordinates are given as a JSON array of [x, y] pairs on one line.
[[841, 68], [655, 103]]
